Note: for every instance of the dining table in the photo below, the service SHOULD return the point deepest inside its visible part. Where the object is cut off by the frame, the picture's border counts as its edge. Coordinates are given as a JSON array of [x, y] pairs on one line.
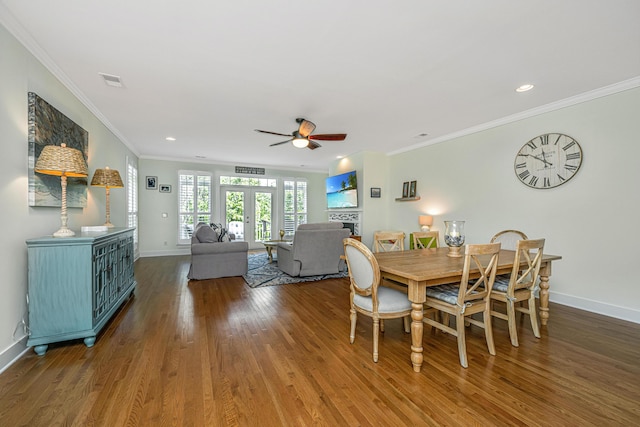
[[420, 268]]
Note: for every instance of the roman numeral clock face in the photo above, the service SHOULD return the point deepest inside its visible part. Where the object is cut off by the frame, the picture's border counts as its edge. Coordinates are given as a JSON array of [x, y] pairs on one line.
[[548, 161]]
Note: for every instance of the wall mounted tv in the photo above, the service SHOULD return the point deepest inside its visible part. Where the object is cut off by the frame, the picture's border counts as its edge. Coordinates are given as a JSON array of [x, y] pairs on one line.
[[342, 191]]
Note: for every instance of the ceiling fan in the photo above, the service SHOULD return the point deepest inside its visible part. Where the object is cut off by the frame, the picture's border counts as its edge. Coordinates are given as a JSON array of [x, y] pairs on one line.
[[302, 137]]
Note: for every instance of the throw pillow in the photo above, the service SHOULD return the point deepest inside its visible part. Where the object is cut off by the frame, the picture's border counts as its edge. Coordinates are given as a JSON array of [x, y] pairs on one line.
[[206, 234]]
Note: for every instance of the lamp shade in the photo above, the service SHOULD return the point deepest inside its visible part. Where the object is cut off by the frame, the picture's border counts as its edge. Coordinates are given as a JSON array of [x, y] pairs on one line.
[[107, 178], [425, 220], [61, 160]]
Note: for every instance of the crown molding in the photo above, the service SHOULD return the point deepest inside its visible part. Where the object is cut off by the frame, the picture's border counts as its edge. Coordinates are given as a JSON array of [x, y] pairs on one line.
[[18, 31], [553, 106]]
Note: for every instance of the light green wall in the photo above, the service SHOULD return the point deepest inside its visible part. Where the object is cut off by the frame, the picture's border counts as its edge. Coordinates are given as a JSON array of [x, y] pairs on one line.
[[591, 220], [154, 230], [21, 73]]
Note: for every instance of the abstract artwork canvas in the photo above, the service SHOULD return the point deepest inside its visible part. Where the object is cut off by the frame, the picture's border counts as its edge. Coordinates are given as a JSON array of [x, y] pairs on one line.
[[48, 126]]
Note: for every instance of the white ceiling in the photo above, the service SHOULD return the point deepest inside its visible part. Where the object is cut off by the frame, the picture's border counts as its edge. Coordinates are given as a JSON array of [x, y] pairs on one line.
[[210, 72]]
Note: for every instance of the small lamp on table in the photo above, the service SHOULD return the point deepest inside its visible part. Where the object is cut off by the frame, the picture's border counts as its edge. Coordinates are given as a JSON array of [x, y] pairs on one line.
[[62, 161]]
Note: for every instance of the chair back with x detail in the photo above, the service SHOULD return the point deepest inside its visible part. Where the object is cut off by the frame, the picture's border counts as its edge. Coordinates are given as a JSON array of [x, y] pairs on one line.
[[388, 241], [425, 239], [466, 298], [367, 295], [520, 286]]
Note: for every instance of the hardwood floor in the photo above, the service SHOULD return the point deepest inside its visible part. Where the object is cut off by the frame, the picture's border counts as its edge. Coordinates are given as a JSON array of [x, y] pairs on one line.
[[218, 353]]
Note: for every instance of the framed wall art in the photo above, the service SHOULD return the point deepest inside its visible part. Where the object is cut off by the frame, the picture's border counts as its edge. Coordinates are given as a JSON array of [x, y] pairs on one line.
[[164, 188], [405, 189], [48, 126], [375, 192], [412, 189], [152, 183]]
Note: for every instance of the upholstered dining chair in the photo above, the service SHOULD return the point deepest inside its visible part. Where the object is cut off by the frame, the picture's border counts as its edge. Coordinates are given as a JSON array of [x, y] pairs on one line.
[[425, 239], [387, 241], [367, 296], [467, 298], [520, 286], [508, 238]]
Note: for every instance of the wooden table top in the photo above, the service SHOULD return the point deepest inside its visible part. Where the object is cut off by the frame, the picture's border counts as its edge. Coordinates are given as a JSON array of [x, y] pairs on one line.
[[434, 267]]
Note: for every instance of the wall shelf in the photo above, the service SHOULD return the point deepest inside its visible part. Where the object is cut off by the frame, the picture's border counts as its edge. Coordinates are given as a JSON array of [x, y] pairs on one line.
[[407, 199]]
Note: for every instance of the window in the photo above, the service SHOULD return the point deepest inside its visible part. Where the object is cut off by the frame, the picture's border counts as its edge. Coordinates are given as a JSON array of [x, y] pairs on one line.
[[132, 200], [244, 180], [194, 192], [295, 205]]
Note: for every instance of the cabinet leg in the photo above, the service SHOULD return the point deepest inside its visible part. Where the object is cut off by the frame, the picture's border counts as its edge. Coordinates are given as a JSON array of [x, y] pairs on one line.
[[41, 349], [90, 341]]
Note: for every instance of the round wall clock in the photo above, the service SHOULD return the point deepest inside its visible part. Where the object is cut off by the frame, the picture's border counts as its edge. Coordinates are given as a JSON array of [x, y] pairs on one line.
[[548, 160]]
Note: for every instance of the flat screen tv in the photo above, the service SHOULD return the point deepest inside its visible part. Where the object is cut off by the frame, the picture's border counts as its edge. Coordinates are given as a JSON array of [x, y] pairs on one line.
[[342, 191]]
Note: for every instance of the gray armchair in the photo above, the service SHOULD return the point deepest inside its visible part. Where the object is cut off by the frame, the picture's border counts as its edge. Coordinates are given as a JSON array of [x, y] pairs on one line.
[[211, 259], [316, 249]]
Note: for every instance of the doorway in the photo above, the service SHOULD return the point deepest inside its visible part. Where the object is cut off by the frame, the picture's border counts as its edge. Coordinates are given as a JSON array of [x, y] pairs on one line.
[[248, 213]]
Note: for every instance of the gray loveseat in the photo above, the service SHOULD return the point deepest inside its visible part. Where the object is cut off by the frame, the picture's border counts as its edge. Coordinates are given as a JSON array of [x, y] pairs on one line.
[[211, 259], [316, 249]]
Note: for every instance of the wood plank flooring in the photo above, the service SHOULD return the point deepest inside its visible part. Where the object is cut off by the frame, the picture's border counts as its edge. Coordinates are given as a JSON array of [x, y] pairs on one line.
[[218, 353]]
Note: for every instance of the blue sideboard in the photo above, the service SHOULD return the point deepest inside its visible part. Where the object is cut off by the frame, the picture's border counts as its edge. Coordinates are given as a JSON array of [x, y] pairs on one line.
[[76, 284]]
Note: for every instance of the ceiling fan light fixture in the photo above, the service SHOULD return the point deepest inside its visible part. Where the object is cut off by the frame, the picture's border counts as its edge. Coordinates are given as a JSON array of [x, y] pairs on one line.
[[300, 142]]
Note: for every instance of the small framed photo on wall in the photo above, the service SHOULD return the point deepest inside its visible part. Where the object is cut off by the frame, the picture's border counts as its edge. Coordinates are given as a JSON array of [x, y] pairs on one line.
[[405, 189], [375, 192], [164, 188], [152, 183], [412, 189]]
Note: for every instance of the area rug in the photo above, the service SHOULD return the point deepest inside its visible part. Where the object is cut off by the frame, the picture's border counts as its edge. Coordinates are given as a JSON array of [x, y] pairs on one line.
[[263, 273]]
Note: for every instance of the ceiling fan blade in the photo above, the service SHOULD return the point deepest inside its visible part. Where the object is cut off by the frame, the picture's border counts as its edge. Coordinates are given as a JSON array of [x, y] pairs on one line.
[[313, 145], [272, 133], [329, 137], [279, 143], [306, 127]]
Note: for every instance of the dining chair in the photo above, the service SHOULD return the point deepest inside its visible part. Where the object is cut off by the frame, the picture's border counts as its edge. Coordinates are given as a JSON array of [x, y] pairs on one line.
[[519, 286], [508, 238], [467, 298], [388, 241], [425, 239], [368, 297]]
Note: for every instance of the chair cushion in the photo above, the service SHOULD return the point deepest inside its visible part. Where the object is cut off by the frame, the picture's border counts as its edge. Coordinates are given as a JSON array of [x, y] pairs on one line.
[[446, 293], [206, 234], [389, 301], [501, 284]]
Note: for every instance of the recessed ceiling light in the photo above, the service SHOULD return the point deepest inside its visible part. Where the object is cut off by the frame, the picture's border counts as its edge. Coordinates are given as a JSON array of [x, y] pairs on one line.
[[339, 157], [170, 138], [524, 88]]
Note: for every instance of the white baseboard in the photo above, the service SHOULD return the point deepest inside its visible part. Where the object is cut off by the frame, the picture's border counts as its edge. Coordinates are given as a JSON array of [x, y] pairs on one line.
[[13, 353], [623, 313], [173, 252]]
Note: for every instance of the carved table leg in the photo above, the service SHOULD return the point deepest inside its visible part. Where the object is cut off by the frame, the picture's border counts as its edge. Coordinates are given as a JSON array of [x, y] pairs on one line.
[[416, 336], [544, 300]]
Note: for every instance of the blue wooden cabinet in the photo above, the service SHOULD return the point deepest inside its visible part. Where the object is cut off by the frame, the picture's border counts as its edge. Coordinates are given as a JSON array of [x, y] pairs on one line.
[[76, 284]]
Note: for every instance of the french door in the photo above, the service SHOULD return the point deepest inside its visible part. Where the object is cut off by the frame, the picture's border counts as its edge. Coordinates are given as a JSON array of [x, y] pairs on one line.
[[248, 213]]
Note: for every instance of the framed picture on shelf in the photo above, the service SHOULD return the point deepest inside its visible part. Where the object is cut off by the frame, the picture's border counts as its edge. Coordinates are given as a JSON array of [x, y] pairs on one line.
[[164, 188], [412, 189], [152, 183], [405, 189], [375, 192]]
